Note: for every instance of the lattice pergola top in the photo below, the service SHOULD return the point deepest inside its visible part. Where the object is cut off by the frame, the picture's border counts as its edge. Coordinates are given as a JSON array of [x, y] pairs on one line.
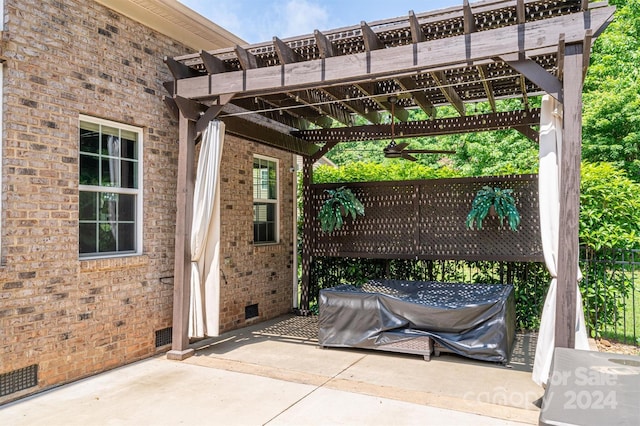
[[288, 92]]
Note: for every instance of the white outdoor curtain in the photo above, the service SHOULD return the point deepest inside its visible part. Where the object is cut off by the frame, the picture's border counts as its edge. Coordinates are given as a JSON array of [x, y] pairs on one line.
[[549, 200], [205, 236]]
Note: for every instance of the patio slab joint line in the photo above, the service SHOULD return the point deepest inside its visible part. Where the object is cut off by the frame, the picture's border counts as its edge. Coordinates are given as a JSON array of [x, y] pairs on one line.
[[315, 389]]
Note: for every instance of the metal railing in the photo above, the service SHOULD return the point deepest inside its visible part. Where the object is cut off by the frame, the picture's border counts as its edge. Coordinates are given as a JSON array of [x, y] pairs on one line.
[[610, 285]]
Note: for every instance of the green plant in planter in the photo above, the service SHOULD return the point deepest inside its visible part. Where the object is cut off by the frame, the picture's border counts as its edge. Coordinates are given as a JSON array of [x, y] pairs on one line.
[[500, 200], [340, 204]]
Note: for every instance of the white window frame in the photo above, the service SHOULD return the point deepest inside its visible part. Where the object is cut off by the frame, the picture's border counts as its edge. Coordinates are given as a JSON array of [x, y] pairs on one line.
[[269, 201], [138, 192]]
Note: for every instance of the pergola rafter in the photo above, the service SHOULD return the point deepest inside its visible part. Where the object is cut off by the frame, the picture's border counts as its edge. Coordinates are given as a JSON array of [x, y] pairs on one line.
[[477, 52]]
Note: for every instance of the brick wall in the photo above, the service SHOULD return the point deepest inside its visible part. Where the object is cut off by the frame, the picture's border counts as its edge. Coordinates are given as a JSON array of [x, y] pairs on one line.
[[251, 273], [75, 318]]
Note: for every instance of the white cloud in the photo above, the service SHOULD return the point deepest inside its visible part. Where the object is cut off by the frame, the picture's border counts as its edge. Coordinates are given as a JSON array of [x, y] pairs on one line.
[[302, 17]]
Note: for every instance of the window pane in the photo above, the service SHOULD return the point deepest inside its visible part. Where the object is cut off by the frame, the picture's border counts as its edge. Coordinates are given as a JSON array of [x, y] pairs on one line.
[[109, 172], [264, 225], [126, 208], [129, 174], [88, 238], [89, 170], [126, 237], [88, 209], [108, 206], [110, 142], [89, 137], [128, 145], [107, 238]]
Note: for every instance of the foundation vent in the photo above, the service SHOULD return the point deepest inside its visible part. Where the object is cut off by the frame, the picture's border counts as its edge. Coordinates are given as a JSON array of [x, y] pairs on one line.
[[18, 380], [163, 337], [250, 311]]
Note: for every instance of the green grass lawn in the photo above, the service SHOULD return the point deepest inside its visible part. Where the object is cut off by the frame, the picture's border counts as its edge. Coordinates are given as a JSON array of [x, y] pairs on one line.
[[628, 328]]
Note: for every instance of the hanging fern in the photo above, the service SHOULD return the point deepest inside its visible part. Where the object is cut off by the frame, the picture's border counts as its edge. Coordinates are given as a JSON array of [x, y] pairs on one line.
[[340, 204]]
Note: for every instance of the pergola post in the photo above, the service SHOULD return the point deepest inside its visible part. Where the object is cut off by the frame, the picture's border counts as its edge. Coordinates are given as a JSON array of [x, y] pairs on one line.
[[184, 213], [307, 208], [568, 245]]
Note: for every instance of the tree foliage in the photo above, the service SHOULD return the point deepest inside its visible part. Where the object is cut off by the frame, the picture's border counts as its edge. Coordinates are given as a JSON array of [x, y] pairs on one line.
[[609, 208], [611, 122]]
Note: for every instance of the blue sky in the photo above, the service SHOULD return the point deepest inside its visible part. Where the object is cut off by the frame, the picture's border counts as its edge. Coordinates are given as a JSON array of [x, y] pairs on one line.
[[259, 20]]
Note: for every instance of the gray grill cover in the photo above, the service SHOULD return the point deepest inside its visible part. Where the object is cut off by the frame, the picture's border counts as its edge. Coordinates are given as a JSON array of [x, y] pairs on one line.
[[473, 320]]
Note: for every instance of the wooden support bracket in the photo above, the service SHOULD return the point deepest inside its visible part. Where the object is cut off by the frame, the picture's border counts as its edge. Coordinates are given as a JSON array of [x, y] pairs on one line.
[[285, 53], [325, 46], [370, 38], [180, 70], [534, 72], [213, 64], [417, 36]]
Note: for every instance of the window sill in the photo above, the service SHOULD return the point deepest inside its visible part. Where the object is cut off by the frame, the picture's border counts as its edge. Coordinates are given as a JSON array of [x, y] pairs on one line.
[[115, 262]]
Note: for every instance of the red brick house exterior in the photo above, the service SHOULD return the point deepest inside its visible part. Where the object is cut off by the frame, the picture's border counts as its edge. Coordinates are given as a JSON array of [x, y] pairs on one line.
[[64, 314]]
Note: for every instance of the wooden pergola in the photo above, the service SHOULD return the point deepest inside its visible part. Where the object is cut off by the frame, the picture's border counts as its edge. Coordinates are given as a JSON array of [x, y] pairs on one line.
[[289, 93]]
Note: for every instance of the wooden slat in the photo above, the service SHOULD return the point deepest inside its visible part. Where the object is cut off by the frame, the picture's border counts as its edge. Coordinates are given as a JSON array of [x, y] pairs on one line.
[[568, 253], [440, 126], [368, 89], [356, 105], [488, 87], [449, 92], [400, 60], [337, 113], [419, 97]]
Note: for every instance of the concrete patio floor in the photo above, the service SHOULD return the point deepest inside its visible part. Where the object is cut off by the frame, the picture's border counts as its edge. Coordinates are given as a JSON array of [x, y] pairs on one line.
[[274, 373]]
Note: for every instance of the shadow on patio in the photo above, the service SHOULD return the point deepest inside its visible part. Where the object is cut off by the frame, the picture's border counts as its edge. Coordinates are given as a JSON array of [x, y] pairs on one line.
[[286, 349]]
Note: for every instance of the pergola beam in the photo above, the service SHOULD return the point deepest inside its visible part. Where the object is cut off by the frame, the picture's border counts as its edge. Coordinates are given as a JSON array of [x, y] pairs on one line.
[[400, 60], [449, 92], [441, 126]]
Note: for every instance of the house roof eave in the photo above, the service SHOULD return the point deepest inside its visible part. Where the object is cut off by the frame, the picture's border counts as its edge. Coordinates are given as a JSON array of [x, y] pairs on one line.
[[177, 21]]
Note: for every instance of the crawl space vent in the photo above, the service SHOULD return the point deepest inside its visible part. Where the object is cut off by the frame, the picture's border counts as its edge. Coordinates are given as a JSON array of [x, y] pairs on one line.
[[18, 380], [163, 337], [250, 311]]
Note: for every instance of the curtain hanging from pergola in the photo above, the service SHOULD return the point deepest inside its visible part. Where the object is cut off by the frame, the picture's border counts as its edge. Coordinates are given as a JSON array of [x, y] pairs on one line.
[[205, 236], [549, 199]]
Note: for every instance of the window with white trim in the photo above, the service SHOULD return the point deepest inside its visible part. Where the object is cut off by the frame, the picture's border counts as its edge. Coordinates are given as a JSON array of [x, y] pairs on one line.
[[110, 188], [265, 200]]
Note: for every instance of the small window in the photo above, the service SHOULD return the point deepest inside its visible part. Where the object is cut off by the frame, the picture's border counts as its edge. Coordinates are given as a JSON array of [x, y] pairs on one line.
[[110, 210], [265, 200]]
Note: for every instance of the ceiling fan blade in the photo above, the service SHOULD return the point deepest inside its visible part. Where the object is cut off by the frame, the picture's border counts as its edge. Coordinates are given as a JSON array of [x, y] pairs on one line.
[[401, 146], [429, 151], [407, 156]]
